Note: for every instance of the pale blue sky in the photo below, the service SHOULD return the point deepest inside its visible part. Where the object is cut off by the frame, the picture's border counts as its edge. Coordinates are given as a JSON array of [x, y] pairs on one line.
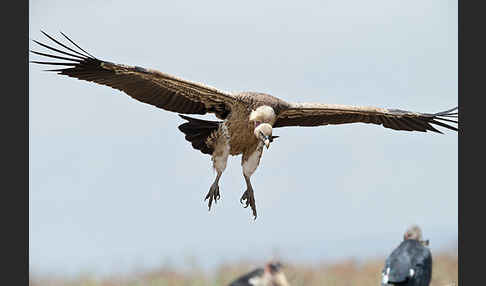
[[113, 183]]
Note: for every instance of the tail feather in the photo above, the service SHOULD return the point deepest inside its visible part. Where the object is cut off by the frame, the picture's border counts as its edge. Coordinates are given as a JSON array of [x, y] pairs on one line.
[[197, 131]]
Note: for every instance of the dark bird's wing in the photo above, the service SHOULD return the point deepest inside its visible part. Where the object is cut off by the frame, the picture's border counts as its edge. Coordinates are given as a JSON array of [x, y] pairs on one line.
[[398, 265], [250, 278], [316, 114], [410, 264], [146, 85], [422, 263]]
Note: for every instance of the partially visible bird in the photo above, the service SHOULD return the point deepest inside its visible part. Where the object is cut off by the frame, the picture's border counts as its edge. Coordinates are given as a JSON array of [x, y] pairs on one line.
[[248, 118], [270, 275], [410, 264]]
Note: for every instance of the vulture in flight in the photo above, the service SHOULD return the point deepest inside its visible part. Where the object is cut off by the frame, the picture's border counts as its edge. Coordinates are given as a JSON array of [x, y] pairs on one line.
[[246, 119], [410, 264]]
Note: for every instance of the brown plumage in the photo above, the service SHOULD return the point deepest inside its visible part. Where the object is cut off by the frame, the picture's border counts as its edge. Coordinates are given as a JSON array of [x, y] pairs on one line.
[[315, 114], [247, 117]]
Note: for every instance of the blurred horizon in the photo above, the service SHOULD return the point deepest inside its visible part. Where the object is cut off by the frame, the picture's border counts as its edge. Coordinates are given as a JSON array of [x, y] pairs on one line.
[[113, 183], [342, 272], [190, 259]]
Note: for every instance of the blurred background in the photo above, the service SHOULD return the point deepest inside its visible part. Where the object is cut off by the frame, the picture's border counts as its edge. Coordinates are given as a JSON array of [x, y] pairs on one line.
[[116, 189]]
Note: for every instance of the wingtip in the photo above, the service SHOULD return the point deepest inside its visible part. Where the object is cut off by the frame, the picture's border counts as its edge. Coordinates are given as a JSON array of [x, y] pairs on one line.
[[448, 112], [72, 42], [438, 131], [453, 109]]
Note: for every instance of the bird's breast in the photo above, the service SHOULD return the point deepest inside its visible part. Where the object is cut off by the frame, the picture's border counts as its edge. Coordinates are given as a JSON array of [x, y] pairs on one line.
[[241, 136]]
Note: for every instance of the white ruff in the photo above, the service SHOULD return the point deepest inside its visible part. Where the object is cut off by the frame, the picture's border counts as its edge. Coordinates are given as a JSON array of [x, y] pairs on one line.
[[263, 114]]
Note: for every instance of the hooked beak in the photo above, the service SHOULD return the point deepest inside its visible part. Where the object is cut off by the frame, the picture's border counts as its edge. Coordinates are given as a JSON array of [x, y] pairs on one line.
[[266, 141], [269, 140]]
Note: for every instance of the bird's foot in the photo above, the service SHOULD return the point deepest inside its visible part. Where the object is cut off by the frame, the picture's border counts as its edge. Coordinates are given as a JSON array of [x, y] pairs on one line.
[[213, 194], [250, 201]]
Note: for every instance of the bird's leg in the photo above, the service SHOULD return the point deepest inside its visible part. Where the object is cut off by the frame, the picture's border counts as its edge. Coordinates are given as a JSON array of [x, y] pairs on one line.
[[213, 193], [249, 162], [219, 158], [249, 197]]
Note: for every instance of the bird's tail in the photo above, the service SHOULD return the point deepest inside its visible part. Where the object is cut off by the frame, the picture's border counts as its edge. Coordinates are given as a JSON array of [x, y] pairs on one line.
[[197, 132]]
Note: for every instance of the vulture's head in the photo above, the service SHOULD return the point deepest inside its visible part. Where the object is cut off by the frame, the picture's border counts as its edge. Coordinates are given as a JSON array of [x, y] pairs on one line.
[[263, 132], [262, 119], [415, 232]]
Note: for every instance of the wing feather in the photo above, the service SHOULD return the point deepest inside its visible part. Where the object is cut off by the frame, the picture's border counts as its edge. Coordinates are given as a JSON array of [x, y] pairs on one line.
[[316, 114], [146, 85]]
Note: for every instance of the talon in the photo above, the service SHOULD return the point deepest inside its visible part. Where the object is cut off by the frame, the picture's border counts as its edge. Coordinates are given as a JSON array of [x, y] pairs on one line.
[[210, 203], [250, 201], [243, 198], [213, 194]]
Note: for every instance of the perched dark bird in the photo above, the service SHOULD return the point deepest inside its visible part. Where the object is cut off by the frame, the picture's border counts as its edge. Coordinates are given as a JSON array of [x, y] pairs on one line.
[[410, 264], [270, 275], [248, 118]]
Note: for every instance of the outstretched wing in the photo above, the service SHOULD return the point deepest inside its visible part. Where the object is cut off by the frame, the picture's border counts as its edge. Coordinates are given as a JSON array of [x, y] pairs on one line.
[[146, 85], [316, 114]]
